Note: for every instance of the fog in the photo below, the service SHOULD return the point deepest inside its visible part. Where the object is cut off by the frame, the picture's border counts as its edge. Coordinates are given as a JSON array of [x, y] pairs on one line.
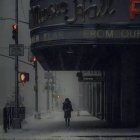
[[67, 84]]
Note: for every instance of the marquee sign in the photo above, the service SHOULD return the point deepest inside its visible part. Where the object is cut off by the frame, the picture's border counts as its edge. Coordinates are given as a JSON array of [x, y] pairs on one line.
[[84, 34], [92, 11], [81, 9]]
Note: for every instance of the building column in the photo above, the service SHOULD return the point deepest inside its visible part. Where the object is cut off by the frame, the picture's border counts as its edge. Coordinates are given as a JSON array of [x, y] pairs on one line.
[[128, 86], [112, 90], [116, 72]]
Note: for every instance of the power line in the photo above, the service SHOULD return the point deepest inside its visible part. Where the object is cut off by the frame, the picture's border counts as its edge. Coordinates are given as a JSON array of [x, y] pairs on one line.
[[25, 47], [14, 59], [25, 22]]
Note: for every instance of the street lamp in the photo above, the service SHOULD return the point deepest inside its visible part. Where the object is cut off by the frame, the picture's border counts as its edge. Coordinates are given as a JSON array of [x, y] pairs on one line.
[[50, 84], [51, 87], [34, 62]]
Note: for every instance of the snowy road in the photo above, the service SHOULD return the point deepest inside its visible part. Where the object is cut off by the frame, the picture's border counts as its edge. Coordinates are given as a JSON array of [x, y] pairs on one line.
[[52, 126]]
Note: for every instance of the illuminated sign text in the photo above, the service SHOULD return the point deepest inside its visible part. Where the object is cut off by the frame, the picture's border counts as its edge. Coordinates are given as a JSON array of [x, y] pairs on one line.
[[134, 8], [86, 34]]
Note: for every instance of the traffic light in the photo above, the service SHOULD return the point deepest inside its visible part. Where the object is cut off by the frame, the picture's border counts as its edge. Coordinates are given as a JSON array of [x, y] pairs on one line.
[[14, 31], [24, 77], [34, 61]]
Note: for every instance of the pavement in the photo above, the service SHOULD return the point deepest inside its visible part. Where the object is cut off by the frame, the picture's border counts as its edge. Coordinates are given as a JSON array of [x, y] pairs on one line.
[[84, 127]]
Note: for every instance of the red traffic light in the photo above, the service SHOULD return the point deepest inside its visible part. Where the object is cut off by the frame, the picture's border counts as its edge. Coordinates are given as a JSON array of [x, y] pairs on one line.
[[14, 31], [34, 59], [14, 27]]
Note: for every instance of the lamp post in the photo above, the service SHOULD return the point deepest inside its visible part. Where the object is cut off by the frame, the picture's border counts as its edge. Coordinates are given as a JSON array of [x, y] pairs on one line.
[[52, 89], [48, 88], [51, 93], [37, 115], [16, 61], [34, 62], [47, 96], [50, 84]]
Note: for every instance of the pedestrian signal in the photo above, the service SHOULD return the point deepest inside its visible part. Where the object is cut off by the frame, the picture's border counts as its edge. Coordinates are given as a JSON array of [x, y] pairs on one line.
[[24, 77], [34, 61]]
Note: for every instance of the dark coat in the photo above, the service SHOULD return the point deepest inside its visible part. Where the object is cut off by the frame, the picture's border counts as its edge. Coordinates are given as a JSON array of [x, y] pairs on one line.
[[67, 107]]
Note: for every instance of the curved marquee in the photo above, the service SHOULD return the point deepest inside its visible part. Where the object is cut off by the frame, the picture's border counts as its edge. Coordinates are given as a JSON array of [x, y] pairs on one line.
[[86, 34]]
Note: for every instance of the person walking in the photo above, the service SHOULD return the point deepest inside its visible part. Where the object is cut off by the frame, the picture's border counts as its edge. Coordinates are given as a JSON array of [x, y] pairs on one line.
[[67, 108]]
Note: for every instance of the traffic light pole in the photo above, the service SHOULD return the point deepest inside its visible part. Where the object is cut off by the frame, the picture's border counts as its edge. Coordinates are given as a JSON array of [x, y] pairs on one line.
[[36, 87], [16, 61], [37, 114]]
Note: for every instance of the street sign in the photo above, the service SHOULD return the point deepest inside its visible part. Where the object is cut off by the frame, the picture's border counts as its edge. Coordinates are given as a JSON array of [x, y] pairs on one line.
[[16, 50], [48, 75]]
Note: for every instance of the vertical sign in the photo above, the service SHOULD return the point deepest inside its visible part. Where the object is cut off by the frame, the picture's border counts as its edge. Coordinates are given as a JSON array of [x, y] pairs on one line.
[[134, 8]]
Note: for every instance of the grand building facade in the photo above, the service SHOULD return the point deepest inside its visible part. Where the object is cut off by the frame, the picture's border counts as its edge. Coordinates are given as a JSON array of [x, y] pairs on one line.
[[87, 35]]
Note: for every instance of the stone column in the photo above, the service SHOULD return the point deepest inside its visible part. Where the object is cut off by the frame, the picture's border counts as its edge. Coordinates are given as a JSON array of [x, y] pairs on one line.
[[112, 90], [128, 84], [116, 72]]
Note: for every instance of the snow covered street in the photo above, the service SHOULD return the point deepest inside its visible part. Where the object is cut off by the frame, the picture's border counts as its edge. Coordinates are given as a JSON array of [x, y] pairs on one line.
[[52, 126]]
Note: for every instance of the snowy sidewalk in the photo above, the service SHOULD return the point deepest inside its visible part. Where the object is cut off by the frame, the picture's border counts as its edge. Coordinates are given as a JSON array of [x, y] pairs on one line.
[[52, 127]]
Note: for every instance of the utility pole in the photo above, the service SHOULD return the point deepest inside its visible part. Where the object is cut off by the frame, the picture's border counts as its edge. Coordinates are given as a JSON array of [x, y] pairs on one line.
[[16, 61], [15, 119], [34, 60], [36, 90]]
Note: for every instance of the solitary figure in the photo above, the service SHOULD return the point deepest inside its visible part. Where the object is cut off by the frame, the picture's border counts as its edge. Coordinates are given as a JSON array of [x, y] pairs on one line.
[[67, 107]]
